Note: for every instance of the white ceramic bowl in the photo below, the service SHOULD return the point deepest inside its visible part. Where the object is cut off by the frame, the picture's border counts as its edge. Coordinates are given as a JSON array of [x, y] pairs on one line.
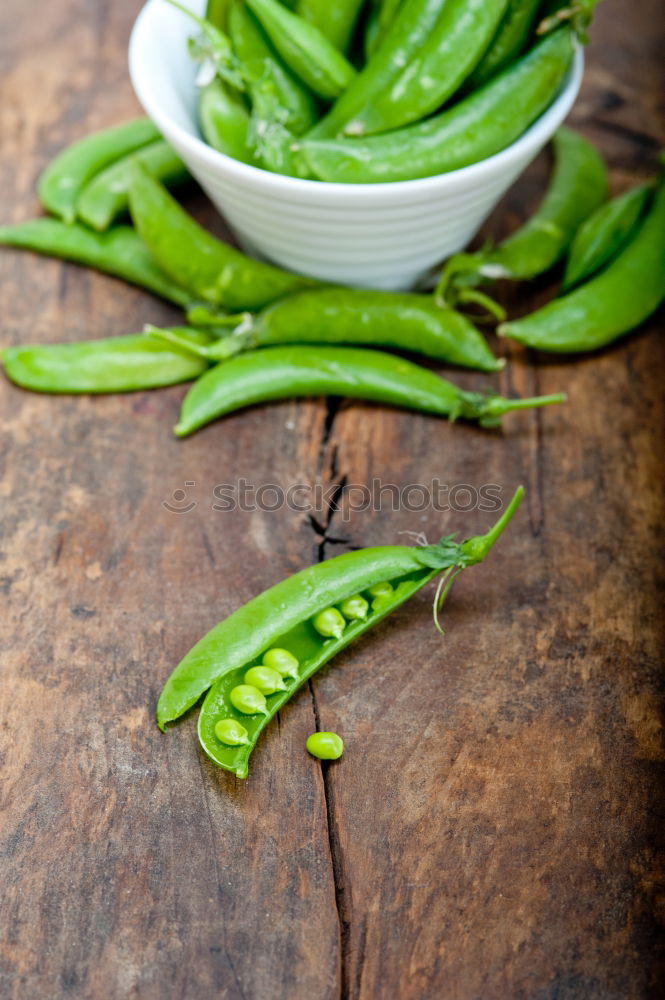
[[372, 235]]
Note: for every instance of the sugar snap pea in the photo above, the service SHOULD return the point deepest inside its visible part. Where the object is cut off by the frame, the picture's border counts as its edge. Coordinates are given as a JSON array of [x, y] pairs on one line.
[[304, 49], [208, 268], [458, 39], [224, 121], [578, 186], [510, 39], [335, 20], [371, 29], [475, 128], [284, 372], [60, 185], [400, 320], [213, 50], [104, 198], [217, 12], [281, 106], [278, 98], [603, 234], [387, 13], [284, 614], [610, 304], [116, 364], [407, 34], [119, 252]]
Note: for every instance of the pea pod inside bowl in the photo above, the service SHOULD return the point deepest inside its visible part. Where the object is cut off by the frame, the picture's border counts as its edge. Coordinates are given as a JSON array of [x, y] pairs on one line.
[[377, 235]]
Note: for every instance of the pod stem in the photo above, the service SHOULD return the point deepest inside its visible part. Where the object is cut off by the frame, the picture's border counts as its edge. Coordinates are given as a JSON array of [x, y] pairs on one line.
[[471, 551], [479, 545], [227, 346], [200, 315], [579, 14], [459, 262], [476, 297], [495, 407]]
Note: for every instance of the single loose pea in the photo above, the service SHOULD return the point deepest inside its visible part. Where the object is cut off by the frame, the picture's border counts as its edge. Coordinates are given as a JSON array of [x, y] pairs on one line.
[[231, 732], [267, 680], [325, 746], [354, 608], [383, 589], [282, 661], [329, 623], [248, 700]]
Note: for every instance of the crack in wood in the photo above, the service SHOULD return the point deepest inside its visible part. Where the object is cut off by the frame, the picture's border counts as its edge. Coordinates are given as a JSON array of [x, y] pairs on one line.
[[321, 528], [208, 549], [218, 880]]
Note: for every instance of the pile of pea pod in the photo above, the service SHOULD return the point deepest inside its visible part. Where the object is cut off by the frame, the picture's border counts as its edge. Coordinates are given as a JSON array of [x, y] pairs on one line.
[[296, 91], [376, 91]]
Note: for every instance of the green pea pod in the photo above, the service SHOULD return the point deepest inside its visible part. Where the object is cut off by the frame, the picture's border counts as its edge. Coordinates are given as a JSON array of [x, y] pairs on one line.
[[104, 198], [118, 364], [470, 131], [305, 49], [282, 107], [208, 268], [224, 121], [397, 320], [510, 39], [267, 78], [213, 49], [334, 20], [372, 30], [577, 187], [283, 616], [119, 252], [603, 234], [407, 34], [286, 372], [217, 12], [610, 304], [458, 39], [65, 177], [387, 13]]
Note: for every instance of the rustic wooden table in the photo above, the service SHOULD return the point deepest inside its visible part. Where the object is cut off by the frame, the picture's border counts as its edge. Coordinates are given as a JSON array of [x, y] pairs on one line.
[[492, 831]]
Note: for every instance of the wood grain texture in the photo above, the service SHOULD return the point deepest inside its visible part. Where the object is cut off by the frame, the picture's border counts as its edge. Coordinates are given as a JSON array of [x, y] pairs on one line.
[[494, 829]]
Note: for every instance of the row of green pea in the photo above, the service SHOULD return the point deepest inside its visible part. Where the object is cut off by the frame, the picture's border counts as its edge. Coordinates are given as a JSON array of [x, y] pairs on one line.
[[267, 678]]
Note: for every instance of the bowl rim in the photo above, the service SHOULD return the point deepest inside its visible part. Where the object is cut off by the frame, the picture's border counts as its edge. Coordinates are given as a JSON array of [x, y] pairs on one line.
[[536, 135]]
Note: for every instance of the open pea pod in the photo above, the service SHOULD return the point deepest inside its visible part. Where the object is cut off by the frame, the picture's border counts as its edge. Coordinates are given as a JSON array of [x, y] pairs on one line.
[[291, 616]]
